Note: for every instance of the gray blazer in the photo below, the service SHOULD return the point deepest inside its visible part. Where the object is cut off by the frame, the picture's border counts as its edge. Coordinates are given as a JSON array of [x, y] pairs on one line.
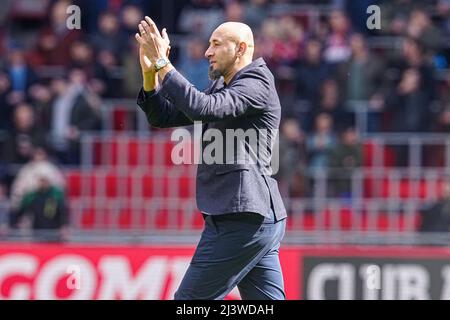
[[249, 101]]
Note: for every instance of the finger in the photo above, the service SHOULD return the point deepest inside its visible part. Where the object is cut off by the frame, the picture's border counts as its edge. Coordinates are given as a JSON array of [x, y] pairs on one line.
[[142, 31], [152, 25], [165, 35], [148, 31], [139, 39]]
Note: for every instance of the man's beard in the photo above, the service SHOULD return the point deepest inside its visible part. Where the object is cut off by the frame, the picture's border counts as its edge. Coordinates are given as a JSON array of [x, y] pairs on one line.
[[214, 74]]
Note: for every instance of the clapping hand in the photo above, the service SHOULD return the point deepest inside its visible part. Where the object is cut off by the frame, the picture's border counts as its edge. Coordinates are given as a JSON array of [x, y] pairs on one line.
[[152, 44]]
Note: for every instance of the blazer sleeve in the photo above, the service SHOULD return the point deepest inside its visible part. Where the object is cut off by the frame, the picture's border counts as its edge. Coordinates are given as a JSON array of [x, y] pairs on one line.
[[245, 96], [160, 112]]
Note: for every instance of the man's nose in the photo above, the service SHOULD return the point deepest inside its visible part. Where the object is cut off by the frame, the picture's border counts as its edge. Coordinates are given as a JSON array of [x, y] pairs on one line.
[[208, 53]]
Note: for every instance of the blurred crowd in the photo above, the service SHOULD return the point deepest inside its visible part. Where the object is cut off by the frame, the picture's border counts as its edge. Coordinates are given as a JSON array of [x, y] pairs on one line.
[[328, 66]]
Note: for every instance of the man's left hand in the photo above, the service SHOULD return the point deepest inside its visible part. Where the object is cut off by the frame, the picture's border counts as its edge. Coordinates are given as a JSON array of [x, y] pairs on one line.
[[155, 44]]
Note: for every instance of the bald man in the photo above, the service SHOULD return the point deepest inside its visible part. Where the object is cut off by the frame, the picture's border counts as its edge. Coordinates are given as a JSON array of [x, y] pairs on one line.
[[240, 202]]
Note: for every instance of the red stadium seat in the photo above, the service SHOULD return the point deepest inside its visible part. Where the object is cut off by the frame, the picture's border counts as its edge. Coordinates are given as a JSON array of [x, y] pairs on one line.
[[89, 184], [168, 147], [153, 186], [118, 185], [111, 185], [146, 185], [88, 218], [309, 222], [186, 186], [122, 119], [114, 156], [133, 153], [73, 180], [125, 218], [369, 155], [97, 153]]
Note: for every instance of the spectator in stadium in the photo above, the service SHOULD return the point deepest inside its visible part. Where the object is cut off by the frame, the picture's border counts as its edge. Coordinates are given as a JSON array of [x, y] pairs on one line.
[[409, 104], [311, 71], [443, 10], [5, 106], [55, 40], [4, 210], [409, 107], [82, 57], [255, 13], [131, 15], [44, 51], [45, 209], [108, 73], [443, 121], [131, 69], [201, 17], [320, 143], [108, 35], [266, 41], [420, 27], [361, 79], [291, 174], [330, 102], [435, 217], [101, 66], [41, 99], [193, 64], [237, 199], [25, 134], [394, 19], [413, 55], [73, 112], [361, 76], [285, 41], [344, 159], [320, 30], [4, 15], [287, 49], [234, 11], [337, 45], [21, 74], [435, 154], [410, 89], [27, 179], [444, 92], [295, 41]]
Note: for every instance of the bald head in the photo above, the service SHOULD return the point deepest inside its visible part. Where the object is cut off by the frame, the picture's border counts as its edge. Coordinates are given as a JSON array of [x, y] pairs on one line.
[[238, 32], [231, 48]]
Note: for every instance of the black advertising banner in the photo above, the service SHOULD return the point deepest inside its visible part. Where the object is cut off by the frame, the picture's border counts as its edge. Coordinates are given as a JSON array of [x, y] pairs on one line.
[[379, 276]]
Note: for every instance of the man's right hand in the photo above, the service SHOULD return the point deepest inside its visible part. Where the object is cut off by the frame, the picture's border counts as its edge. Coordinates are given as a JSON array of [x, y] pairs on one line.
[[146, 64], [149, 76], [150, 80]]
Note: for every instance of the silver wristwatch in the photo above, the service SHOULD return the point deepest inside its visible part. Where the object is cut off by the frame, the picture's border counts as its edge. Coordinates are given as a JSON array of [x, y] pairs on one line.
[[161, 63]]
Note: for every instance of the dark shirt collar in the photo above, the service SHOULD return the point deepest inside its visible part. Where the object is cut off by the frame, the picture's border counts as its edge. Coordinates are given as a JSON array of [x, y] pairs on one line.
[[255, 63], [220, 83], [217, 85]]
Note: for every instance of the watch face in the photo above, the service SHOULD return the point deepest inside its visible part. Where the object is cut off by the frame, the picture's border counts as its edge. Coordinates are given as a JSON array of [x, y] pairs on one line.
[[161, 62]]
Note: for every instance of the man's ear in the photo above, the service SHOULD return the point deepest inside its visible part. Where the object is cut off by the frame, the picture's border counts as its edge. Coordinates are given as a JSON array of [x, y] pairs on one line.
[[242, 48]]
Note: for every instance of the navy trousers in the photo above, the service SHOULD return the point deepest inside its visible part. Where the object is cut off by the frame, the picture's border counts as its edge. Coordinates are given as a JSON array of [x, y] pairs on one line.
[[239, 249]]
